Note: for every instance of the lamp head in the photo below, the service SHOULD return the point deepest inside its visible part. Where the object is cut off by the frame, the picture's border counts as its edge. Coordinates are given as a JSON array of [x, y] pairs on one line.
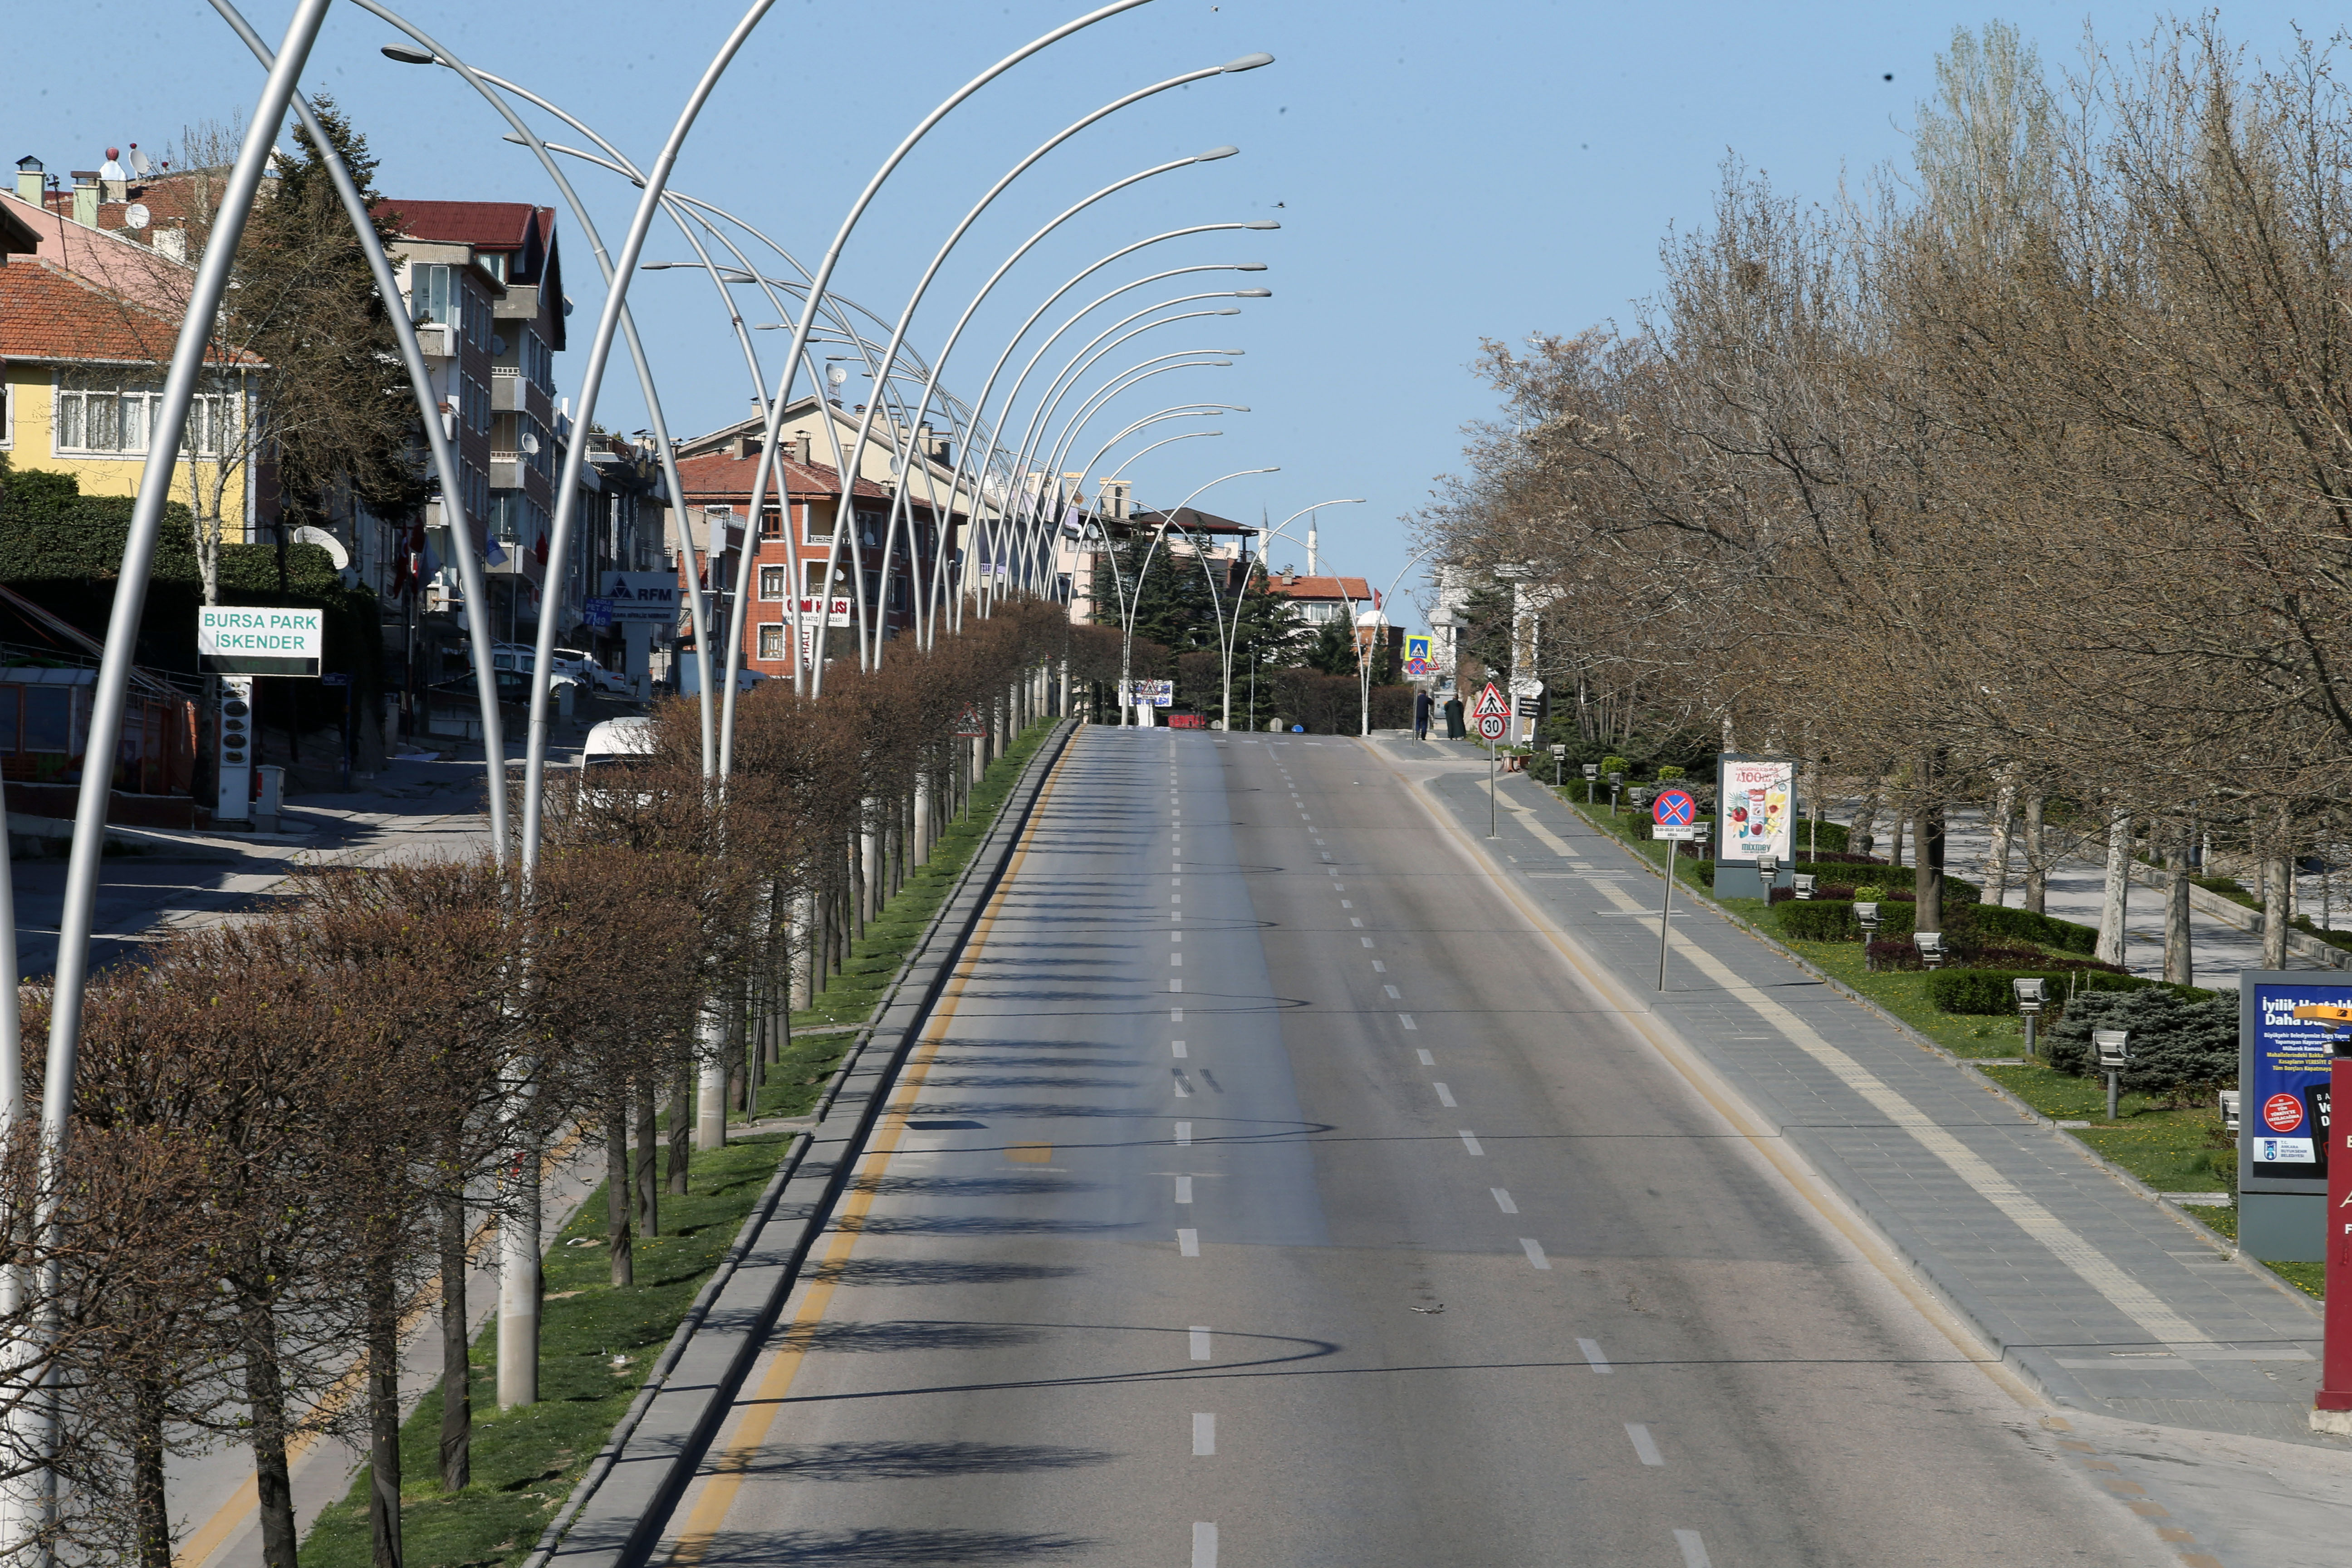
[[1253, 293], [1213, 153], [1228, 311], [1246, 63], [1249, 266], [1262, 223], [409, 55]]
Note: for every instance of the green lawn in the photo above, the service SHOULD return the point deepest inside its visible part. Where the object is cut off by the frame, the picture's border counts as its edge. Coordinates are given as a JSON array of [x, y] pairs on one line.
[[597, 1342], [526, 1460], [851, 996]]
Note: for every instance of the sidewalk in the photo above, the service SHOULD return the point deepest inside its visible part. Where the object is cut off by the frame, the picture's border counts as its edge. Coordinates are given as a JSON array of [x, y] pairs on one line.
[[2108, 1299]]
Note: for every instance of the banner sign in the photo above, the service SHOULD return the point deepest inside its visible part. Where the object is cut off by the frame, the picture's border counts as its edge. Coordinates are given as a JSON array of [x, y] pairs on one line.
[[2283, 1080], [260, 639], [643, 596], [1756, 808]]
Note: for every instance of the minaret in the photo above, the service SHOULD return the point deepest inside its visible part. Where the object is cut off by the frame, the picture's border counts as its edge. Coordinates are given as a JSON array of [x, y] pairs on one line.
[[1312, 570]]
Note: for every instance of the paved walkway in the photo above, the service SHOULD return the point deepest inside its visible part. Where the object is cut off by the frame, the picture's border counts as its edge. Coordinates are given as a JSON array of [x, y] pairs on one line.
[[2078, 885], [2109, 1301]]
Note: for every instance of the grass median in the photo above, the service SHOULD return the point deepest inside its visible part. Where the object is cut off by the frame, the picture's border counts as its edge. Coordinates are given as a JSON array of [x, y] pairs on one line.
[[597, 1343]]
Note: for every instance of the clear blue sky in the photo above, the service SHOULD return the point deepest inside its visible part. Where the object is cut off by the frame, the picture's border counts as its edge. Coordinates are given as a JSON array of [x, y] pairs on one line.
[[1443, 171]]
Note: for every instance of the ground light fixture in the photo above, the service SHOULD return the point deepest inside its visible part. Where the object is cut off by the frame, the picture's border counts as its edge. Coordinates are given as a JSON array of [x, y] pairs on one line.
[[2029, 1005], [1559, 761], [1591, 780], [2114, 1048], [1930, 944], [1803, 882]]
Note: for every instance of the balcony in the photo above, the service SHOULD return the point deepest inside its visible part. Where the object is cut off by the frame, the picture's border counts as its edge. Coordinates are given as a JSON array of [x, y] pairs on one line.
[[435, 340], [519, 302], [506, 470], [511, 392]]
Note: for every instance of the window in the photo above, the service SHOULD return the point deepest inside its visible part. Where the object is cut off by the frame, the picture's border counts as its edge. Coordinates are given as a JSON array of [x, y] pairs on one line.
[[771, 522], [771, 581], [816, 522], [538, 362], [477, 409], [429, 293], [48, 719], [771, 642], [494, 262], [7, 415], [505, 515], [99, 412]]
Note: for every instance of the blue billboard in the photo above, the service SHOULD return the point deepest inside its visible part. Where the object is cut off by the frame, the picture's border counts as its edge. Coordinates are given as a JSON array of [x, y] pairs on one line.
[[2283, 1060]]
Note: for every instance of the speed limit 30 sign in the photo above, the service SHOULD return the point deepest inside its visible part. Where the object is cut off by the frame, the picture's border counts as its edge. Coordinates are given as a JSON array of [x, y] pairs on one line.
[[1492, 727]]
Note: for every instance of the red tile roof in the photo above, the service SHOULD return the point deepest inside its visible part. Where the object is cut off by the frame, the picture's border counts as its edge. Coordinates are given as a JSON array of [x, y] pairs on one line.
[[49, 313], [1320, 587], [491, 225], [720, 479]]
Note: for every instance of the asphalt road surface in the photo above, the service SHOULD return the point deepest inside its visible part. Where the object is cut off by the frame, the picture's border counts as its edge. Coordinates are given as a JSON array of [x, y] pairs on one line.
[[1273, 1192]]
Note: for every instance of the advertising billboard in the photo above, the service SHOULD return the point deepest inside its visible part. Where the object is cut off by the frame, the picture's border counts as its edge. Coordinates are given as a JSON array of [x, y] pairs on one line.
[[1755, 808]]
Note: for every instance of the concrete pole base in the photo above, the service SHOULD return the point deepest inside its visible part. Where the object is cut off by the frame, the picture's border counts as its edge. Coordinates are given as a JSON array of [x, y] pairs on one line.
[[710, 1106], [519, 1304], [2335, 1423]]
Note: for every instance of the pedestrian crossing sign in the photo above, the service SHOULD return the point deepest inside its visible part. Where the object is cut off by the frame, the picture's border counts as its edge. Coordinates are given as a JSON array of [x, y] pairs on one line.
[[1492, 703]]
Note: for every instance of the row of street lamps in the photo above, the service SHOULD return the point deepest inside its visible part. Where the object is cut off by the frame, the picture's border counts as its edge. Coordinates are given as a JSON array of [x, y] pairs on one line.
[[1013, 520]]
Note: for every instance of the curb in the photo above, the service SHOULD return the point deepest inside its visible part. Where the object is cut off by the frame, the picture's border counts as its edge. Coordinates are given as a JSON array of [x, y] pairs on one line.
[[2221, 1244], [2028, 1362], [615, 1516]]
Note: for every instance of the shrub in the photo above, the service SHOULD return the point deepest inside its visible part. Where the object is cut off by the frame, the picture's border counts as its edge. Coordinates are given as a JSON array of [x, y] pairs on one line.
[[2184, 1041], [1889, 952], [1668, 773], [1816, 920], [1615, 765], [1869, 893], [2041, 930], [1780, 895]]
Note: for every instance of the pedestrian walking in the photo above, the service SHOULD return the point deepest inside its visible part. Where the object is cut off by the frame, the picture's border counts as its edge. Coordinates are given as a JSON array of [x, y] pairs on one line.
[[1420, 715]]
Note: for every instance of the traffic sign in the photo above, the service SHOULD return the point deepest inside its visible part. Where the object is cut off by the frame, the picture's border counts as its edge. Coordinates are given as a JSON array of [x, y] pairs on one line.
[[1491, 704], [1530, 707], [1675, 808], [1683, 835], [1491, 726]]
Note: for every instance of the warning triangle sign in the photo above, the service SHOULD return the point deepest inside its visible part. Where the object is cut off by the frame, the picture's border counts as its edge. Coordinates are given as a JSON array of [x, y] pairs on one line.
[[1491, 704]]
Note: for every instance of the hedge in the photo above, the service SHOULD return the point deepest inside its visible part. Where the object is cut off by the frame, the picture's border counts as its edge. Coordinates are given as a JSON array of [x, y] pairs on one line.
[[63, 550], [1989, 991], [2042, 931]]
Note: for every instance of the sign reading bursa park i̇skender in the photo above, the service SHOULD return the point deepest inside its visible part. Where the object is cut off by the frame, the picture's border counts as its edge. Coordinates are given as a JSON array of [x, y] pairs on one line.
[[260, 639]]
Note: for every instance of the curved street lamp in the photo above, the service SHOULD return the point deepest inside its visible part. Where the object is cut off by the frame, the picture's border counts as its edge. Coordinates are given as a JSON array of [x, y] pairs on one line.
[[1126, 635]]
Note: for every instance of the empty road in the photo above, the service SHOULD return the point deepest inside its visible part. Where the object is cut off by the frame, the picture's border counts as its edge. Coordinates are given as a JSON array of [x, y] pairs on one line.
[[1270, 1191]]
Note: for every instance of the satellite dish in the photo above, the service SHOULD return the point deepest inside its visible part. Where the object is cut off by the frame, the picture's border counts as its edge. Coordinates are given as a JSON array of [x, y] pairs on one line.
[[835, 374], [138, 163], [306, 534], [136, 216]]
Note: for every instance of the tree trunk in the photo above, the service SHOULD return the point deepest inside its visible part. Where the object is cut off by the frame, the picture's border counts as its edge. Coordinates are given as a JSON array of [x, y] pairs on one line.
[[383, 1412], [2114, 902], [618, 1241], [2037, 870], [1927, 851], [648, 1171], [1895, 842], [1861, 836], [2179, 964], [265, 1399], [149, 1502], [457, 1364], [681, 1129], [2278, 893], [1996, 865]]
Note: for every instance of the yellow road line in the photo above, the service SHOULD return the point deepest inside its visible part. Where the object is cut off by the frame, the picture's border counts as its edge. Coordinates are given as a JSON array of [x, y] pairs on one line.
[[1701, 1075], [710, 1510]]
